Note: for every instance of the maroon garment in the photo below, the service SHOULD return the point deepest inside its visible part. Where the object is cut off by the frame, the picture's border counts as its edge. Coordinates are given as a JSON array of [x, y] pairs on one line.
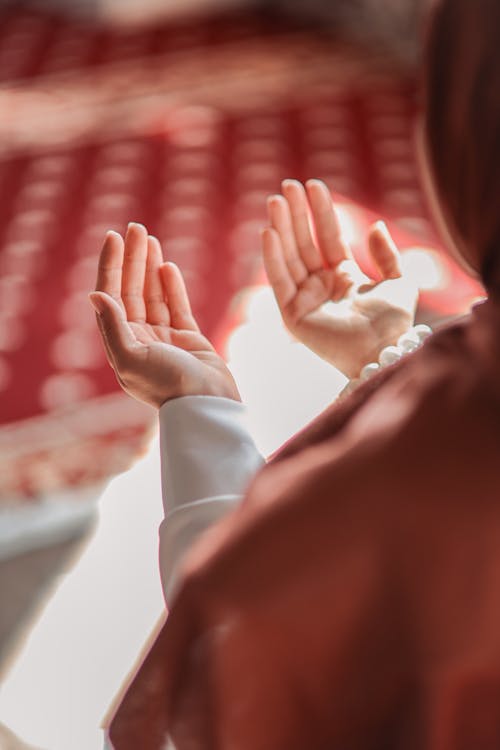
[[353, 601]]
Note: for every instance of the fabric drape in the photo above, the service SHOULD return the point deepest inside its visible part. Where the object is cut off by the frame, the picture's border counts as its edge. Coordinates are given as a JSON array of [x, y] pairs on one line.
[[352, 601]]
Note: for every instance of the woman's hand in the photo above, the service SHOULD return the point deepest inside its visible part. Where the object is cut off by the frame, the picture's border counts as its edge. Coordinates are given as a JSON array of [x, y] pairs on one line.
[[151, 338], [325, 299]]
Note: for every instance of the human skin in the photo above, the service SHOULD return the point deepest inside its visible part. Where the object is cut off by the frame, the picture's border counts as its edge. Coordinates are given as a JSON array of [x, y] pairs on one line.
[[151, 338], [156, 348], [326, 301]]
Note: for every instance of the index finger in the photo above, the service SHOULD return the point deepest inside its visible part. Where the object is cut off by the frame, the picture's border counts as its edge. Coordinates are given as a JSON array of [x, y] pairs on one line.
[[109, 270], [328, 230]]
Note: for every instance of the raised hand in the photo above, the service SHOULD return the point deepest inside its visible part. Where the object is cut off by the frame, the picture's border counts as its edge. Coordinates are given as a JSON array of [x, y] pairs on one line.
[[326, 301], [151, 338]]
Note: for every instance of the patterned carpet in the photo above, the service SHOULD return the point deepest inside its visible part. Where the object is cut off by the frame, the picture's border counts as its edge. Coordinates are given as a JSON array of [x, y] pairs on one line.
[[185, 128]]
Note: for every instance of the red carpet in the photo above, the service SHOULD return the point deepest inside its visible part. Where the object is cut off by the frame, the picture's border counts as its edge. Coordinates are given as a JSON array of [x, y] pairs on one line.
[[185, 128]]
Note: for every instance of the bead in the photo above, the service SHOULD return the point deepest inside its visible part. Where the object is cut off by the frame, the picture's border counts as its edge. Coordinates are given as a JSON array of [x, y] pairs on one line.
[[389, 355], [409, 341], [369, 370], [423, 332]]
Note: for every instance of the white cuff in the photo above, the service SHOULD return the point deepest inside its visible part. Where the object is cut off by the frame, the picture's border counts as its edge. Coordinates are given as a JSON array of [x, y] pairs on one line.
[[208, 458], [206, 450]]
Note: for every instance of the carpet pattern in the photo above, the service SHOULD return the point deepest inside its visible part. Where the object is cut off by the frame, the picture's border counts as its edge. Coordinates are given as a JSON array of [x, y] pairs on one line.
[[186, 128]]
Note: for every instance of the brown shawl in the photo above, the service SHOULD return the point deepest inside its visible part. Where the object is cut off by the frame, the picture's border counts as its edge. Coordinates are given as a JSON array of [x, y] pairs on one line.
[[353, 601]]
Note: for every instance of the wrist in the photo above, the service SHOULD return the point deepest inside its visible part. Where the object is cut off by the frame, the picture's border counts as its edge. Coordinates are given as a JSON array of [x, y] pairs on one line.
[[408, 342], [211, 388]]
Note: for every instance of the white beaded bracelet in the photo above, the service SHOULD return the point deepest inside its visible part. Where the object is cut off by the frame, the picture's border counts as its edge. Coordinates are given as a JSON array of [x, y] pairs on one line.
[[408, 342]]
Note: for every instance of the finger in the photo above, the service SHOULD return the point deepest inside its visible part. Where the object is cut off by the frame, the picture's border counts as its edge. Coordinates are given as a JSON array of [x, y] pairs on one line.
[[297, 200], [343, 283], [349, 274], [384, 251], [328, 229], [117, 335], [178, 303], [281, 220], [156, 308], [277, 271], [134, 271], [109, 270]]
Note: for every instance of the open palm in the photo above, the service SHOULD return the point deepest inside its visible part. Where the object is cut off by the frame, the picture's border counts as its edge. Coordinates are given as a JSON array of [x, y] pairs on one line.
[[325, 299], [151, 338]]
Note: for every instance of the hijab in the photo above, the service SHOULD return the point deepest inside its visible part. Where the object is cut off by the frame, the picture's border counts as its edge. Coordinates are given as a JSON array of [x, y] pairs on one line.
[[462, 127]]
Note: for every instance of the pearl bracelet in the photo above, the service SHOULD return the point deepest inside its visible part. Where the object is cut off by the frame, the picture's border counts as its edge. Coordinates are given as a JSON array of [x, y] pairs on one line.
[[408, 342]]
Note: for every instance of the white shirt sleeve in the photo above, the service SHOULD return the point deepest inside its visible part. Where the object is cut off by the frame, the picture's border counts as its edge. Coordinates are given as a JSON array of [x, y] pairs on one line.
[[207, 459]]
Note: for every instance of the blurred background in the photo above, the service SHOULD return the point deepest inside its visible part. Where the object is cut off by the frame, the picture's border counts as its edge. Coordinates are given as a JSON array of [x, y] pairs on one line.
[[183, 115]]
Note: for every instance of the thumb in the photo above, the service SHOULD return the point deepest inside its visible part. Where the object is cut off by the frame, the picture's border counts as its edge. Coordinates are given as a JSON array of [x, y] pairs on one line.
[[384, 252], [116, 332]]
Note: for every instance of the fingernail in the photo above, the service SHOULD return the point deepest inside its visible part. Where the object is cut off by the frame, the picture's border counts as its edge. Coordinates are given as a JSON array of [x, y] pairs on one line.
[[319, 183], [96, 302], [381, 226], [137, 224], [291, 183]]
